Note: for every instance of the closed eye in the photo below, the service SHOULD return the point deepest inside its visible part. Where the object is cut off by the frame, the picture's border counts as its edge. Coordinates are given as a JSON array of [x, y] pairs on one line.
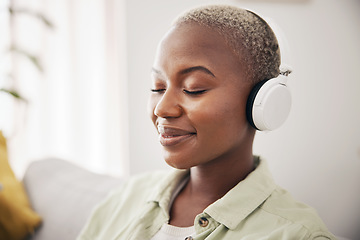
[[198, 92], [158, 90]]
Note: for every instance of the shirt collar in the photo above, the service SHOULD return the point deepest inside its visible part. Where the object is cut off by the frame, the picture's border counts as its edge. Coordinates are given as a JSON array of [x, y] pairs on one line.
[[163, 192], [244, 198]]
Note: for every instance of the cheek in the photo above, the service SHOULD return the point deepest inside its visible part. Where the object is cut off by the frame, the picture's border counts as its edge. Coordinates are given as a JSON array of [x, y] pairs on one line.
[[225, 111], [222, 120]]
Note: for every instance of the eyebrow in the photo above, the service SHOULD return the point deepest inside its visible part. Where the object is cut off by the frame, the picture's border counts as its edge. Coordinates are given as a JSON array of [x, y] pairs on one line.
[[189, 70], [197, 68]]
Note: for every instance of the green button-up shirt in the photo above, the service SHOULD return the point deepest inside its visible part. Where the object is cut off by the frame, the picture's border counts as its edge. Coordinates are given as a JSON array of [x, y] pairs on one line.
[[256, 208]]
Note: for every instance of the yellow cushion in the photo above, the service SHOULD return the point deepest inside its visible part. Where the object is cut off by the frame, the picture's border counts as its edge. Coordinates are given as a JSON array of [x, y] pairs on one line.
[[17, 219]]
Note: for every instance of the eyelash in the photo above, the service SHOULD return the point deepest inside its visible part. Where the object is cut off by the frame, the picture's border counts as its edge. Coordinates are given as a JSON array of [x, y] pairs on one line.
[[157, 90], [195, 92], [185, 91]]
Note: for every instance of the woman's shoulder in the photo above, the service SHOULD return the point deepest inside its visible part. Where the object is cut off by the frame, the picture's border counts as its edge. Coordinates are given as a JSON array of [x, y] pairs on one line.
[[282, 205], [139, 186], [121, 205], [146, 179]]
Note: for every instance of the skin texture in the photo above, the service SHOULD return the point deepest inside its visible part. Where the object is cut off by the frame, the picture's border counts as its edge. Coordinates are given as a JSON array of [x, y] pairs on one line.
[[198, 106]]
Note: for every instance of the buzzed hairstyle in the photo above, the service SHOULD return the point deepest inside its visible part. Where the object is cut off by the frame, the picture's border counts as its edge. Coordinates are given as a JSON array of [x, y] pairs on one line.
[[249, 36]]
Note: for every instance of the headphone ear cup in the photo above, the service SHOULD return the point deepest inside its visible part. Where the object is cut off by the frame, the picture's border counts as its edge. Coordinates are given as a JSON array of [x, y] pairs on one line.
[[250, 102], [268, 104]]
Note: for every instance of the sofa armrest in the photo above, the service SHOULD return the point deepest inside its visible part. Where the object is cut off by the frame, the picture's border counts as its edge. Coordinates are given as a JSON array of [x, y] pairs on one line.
[[64, 194]]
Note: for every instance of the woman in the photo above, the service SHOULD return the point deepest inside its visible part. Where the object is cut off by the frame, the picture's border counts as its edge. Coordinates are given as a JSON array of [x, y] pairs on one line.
[[204, 70]]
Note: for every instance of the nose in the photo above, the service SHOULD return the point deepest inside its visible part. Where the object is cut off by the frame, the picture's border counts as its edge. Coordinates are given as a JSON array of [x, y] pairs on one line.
[[168, 106]]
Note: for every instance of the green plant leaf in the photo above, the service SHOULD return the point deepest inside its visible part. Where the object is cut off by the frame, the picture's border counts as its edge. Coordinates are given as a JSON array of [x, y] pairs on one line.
[[34, 59], [13, 93], [38, 15]]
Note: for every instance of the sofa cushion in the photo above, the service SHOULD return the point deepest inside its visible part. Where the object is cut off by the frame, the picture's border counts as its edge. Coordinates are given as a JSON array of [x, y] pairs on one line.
[[64, 195], [17, 219]]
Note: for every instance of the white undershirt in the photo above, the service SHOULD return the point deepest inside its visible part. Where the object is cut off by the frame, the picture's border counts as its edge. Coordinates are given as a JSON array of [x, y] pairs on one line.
[[169, 232]]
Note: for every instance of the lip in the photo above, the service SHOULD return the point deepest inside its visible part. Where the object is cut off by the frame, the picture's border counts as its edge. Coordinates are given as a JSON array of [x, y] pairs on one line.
[[171, 136]]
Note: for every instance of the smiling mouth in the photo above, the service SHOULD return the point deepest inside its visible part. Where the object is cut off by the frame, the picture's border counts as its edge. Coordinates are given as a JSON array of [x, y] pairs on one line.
[[173, 136], [171, 140]]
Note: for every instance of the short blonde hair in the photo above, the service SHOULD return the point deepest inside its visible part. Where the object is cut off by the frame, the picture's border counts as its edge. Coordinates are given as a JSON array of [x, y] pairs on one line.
[[247, 34]]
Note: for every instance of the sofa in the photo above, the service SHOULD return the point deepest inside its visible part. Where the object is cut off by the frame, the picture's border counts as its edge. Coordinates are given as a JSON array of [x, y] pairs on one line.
[[64, 195]]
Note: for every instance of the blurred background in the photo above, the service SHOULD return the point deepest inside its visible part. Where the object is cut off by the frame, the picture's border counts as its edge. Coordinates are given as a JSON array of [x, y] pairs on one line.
[[85, 76]]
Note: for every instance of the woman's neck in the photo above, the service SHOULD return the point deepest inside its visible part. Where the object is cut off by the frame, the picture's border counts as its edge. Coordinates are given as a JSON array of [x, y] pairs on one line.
[[208, 183], [215, 179]]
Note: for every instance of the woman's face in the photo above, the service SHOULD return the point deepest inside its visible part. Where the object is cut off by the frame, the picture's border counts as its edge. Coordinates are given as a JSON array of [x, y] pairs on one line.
[[198, 99]]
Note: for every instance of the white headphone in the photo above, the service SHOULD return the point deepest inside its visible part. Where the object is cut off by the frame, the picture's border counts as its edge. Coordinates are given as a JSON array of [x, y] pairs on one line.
[[269, 102]]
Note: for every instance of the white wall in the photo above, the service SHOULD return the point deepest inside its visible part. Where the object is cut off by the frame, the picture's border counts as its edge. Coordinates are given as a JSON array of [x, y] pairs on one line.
[[316, 154], [75, 107]]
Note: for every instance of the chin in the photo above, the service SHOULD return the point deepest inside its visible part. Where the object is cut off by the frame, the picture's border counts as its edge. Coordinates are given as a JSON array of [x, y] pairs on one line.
[[177, 163]]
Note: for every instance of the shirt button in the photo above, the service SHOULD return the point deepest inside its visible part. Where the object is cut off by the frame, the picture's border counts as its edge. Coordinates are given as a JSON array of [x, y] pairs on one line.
[[189, 238], [203, 222]]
